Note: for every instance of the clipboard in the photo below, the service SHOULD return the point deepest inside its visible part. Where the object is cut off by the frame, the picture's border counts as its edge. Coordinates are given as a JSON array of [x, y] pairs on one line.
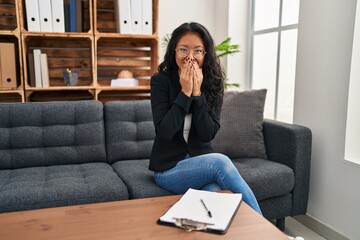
[[191, 215]]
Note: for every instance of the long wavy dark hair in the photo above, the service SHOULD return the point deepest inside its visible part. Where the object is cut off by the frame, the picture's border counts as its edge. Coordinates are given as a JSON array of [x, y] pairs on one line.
[[213, 83]]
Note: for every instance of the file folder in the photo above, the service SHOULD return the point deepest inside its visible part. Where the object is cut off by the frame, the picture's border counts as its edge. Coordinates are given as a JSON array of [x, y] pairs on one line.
[[147, 17], [136, 21], [44, 70], [79, 16], [123, 16], [72, 15], [31, 75], [37, 67], [32, 15], [58, 15], [45, 16], [8, 66]]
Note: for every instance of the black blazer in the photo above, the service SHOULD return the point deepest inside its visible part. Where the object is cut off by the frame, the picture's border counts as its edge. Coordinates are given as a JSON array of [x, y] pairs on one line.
[[169, 108]]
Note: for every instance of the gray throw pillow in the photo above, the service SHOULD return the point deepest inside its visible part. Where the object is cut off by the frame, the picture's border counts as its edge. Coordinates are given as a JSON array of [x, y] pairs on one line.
[[241, 131]]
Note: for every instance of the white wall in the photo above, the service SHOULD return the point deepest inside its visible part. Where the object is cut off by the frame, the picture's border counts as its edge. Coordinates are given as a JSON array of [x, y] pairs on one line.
[[174, 13], [321, 92], [352, 150], [238, 27]]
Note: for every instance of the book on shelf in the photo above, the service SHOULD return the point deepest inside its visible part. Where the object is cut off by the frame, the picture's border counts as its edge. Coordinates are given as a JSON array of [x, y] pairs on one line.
[[44, 70], [31, 69], [37, 67], [79, 16], [73, 13]]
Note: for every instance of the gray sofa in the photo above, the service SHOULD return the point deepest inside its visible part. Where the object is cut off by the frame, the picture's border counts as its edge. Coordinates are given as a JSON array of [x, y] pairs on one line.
[[67, 153]]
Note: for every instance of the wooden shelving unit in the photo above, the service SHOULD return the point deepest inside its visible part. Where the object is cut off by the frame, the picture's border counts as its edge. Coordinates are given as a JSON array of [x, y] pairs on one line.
[[99, 53], [10, 33], [115, 52]]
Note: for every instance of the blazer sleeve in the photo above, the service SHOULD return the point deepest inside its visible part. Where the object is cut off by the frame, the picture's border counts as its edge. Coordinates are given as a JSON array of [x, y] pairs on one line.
[[168, 117]]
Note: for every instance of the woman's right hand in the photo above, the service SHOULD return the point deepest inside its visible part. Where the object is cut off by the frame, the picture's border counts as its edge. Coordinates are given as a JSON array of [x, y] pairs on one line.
[[186, 77]]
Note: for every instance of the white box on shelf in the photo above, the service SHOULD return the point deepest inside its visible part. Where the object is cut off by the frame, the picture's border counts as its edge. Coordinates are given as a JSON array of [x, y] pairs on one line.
[[124, 82]]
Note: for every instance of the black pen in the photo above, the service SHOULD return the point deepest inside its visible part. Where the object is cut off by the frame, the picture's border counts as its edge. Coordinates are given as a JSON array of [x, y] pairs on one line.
[[209, 213]]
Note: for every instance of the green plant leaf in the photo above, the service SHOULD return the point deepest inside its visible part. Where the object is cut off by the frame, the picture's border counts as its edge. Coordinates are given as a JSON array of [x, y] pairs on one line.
[[226, 48], [165, 40]]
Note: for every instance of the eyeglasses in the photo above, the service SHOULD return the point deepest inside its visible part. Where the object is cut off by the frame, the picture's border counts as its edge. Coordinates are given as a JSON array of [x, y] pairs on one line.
[[198, 53]]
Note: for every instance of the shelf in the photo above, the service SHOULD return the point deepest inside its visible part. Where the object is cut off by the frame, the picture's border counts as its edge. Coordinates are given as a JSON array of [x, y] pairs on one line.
[[62, 53], [114, 55], [12, 96], [126, 36], [60, 95], [59, 35], [64, 88], [128, 94]]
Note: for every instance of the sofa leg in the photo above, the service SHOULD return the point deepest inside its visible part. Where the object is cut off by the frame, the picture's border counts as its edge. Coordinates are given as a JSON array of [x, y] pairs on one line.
[[280, 223]]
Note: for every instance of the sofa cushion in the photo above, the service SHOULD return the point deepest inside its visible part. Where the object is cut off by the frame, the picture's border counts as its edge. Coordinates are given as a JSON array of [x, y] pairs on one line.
[[241, 131], [139, 179], [266, 179], [51, 133], [61, 185], [129, 129]]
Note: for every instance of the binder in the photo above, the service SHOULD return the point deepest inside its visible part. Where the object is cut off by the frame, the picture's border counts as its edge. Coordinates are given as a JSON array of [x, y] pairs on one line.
[[44, 70], [147, 17], [123, 16], [58, 15], [31, 71], [8, 66], [79, 16], [191, 213], [37, 67], [32, 15], [45, 16], [72, 15], [67, 15], [136, 9]]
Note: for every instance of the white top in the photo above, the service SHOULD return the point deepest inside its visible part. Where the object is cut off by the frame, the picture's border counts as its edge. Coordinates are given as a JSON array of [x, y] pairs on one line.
[[187, 126]]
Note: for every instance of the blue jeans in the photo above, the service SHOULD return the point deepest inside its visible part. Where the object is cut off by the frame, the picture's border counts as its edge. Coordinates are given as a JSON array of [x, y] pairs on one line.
[[210, 172]]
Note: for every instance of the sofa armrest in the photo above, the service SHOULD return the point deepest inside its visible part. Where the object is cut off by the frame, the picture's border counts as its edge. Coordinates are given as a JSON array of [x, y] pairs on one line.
[[290, 144]]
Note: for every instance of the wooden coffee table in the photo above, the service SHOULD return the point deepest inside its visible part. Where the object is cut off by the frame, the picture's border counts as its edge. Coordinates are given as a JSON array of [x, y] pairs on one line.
[[131, 219]]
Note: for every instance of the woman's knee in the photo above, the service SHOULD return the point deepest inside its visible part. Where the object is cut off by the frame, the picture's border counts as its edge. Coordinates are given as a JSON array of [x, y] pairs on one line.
[[223, 161]]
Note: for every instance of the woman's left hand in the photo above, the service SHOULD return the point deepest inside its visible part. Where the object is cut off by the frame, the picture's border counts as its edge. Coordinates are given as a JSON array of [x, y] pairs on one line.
[[198, 79]]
